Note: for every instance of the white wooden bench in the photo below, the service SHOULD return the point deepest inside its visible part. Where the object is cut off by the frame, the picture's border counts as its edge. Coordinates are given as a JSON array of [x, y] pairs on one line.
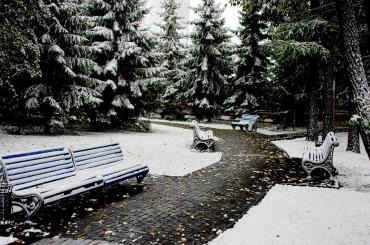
[[248, 122], [320, 157], [202, 137], [45, 176]]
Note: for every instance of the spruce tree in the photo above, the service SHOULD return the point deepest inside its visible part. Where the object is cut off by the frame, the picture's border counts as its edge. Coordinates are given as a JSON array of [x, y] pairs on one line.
[[65, 88], [172, 47], [126, 59], [249, 90], [204, 83], [170, 38]]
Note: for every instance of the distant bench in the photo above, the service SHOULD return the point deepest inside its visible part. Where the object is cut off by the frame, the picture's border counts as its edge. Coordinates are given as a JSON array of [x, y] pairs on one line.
[[249, 122], [202, 137], [45, 176], [320, 157]]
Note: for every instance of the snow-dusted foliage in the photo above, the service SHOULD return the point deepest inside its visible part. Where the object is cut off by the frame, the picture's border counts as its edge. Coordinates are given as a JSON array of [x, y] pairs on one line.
[[249, 90], [125, 57], [65, 86], [203, 85], [171, 46]]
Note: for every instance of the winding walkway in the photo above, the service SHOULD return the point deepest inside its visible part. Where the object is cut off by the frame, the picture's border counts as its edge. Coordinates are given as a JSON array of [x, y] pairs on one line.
[[176, 210]]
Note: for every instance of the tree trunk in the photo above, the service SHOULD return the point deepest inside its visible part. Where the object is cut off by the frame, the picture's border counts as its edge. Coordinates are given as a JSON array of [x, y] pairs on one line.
[[329, 99], [313, 102], [353, 143], [313, 130], [354, 64]]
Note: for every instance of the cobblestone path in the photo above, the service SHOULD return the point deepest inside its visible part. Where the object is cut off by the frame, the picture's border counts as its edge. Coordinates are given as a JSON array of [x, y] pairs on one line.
[[178, 210]]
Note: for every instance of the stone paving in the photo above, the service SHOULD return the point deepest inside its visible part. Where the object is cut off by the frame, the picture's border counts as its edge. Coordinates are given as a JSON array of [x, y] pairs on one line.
[[192, 209]]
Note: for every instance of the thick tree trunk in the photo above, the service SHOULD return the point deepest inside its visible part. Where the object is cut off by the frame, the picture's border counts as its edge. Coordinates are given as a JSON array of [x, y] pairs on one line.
[[313, 130], [329, 99], [353, 143], [313, 103], [354, 64]]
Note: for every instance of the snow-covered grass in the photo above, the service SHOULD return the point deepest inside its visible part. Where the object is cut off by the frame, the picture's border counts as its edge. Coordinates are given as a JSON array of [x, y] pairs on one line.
[[166, 150], [354, 169], [303, 215], [261, 130], [7, 240]]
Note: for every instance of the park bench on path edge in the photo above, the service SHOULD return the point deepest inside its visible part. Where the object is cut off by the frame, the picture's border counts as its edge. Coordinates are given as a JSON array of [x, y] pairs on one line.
[[45, 176], [320, 157], [249, 122], [202, 137]]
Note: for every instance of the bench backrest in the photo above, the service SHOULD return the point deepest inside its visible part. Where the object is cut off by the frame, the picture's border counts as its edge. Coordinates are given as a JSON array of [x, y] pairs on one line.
[[196, 129], [29, 169], [247, 117], [97, 156], [330, 141]]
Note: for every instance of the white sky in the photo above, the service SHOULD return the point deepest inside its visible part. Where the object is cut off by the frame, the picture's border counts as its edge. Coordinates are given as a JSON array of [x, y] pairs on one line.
[[231, 13]]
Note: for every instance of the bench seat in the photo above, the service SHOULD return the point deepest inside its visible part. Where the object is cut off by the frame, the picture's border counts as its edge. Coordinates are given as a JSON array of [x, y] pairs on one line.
[[118, 172], [57, 190]]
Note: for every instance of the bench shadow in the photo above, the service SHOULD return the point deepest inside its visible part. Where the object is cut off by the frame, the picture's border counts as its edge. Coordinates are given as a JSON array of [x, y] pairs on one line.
[[51, 219]]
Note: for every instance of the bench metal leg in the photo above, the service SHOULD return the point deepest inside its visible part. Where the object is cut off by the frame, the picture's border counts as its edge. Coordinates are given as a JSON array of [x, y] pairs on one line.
[[326, 166], [29, 203]]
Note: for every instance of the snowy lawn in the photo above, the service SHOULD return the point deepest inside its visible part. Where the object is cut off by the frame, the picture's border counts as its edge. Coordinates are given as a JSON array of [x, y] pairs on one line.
[[304, 215], [166, 150], [354, 169], [7, 240], [261, 130]]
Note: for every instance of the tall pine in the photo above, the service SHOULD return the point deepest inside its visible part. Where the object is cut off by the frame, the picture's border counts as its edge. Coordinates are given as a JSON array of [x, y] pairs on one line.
[[65, 88], [205, 82], [249, 90], [126, 59]]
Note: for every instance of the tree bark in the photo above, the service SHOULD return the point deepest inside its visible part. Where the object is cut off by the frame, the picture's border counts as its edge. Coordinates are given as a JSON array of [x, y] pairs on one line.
[[329, 99], [354, 64], [313, 102], [353, 143]]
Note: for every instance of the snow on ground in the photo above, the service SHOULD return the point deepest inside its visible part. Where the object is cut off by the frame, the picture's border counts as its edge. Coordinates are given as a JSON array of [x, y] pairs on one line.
[[303, 215], [166, 150], [7, 240], [354, 169], [261, 130]]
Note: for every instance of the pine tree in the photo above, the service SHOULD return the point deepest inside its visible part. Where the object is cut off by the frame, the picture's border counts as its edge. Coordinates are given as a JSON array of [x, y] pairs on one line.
[[172, 47], [126, 59], [250, 88], [170, 39], [65, 87], [204, 83], [21, 22]]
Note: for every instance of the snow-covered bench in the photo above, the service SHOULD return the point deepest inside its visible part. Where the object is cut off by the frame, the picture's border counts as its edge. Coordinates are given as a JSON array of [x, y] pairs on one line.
[[202, 137], [249, 122], [320, 157], [45, 176], [107, 162]]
